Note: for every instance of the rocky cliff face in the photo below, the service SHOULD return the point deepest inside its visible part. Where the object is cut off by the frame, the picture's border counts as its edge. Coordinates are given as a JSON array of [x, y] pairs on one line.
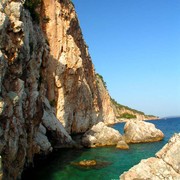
[[71, 78], [48, 86]]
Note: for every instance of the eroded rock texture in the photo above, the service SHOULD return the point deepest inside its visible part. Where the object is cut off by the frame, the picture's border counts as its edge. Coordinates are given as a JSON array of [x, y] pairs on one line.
[[101, 135], [166, 164], [48, 86], [79, 99], [140, 131]]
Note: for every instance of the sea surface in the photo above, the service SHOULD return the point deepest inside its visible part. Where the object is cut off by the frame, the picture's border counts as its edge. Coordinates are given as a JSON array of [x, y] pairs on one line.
[[112, 161]]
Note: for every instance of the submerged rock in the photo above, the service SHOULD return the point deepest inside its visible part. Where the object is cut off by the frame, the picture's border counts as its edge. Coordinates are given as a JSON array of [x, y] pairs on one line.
[[101, 135], [166, 165], [140, 131], [87, 163], [91, 164]]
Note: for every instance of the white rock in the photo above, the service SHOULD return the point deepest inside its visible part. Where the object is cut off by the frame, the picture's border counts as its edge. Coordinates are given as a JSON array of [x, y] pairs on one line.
[[3, 20], [170, 153], [101, 135], [53, 124], [122, 145], [15, 8], [139, 131], [43, 142], [166, 165], [2, 105]]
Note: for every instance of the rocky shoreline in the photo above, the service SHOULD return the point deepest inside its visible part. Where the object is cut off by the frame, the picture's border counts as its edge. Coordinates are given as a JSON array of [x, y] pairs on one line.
[[166, 164], [49, 89], [134, 132]]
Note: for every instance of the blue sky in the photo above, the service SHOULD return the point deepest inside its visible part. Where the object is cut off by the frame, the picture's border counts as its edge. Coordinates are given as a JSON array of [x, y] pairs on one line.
[[135, 46]]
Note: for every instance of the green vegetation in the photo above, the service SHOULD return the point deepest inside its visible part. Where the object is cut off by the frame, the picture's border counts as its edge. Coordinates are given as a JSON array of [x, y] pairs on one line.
[[120, 106], [32, 5], [127, 116], [104, 83]]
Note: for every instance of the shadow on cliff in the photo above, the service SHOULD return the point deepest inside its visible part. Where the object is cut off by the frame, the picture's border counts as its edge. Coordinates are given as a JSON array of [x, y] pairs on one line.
[[72, 90], [45, 167]]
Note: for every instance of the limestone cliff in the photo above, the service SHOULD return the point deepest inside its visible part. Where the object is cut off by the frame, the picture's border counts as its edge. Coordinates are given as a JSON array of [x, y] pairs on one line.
[[107, 111], [48, 85], [71, 79]]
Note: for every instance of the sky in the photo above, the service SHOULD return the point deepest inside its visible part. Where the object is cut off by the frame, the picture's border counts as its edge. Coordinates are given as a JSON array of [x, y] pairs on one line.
[[135, 46]]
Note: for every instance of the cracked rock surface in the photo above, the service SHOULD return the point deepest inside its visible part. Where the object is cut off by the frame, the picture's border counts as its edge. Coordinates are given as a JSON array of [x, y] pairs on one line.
[[165, 166]]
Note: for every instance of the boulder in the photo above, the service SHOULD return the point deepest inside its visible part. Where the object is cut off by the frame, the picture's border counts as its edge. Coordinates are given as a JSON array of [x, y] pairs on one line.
[[54, 126], [166, 164], [170, 153], [101, 135], [42, 141], [122, 145], [139, 131]]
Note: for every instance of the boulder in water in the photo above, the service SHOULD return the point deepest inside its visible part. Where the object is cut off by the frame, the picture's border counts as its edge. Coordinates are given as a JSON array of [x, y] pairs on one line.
[[139, 131], [101, 135]]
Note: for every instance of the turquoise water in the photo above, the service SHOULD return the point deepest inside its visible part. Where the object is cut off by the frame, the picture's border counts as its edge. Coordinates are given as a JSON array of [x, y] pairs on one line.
[[115, 162]]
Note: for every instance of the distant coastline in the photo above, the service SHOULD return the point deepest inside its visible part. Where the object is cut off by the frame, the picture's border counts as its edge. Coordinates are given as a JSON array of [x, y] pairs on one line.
[[126, 120], [170, 117]]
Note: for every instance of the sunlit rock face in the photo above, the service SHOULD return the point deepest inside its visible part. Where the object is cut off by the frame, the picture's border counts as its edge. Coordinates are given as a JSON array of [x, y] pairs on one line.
[[139, 131], [122, 145], [166, 164], [101, 135], [79, 96], [48, 86]]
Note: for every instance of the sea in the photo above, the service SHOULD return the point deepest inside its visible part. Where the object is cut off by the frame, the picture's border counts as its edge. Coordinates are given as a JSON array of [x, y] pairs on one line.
[[112, 162]]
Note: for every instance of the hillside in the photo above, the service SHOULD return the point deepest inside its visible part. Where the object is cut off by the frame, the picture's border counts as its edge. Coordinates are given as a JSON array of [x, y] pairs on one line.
[[124, 113]]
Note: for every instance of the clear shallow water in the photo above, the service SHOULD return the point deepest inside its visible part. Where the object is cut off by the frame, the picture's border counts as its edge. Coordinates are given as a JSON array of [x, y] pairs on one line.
[[59, 167]]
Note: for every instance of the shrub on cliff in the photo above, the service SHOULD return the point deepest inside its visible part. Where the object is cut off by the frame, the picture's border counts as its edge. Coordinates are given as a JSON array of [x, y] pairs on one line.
[[120, 106], [127, 116], [104, 83]]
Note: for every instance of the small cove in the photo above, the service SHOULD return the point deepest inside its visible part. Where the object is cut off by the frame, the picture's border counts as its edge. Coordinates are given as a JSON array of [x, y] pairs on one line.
[[59, 164]]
